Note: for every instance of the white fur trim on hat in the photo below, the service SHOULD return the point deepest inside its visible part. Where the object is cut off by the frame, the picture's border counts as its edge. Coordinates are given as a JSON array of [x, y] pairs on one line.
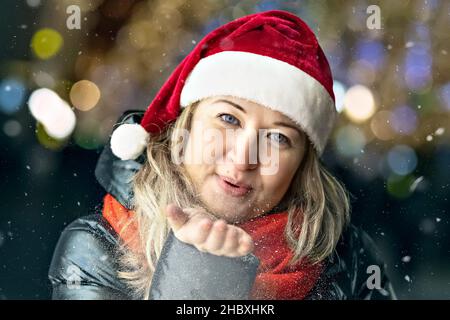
[[128, 141], [270, 82]]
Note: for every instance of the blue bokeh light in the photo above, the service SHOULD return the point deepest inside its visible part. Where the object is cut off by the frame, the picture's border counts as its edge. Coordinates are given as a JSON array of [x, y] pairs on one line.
[[418, 63], [444, 94], [371, 51], [12, 93], [402, 159], [403, 120]]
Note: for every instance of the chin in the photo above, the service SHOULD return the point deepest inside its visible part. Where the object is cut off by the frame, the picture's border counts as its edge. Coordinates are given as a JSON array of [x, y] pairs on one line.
[[228, 212]]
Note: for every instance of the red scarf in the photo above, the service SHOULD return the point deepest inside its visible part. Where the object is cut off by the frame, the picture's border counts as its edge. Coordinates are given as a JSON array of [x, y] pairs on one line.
[[275, 278]]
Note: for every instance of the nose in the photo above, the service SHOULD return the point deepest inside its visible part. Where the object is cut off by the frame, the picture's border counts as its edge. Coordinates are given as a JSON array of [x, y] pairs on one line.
[[243, 152]]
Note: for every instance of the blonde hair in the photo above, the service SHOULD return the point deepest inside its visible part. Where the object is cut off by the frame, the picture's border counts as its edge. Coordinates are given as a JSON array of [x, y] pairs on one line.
[[317, 205]]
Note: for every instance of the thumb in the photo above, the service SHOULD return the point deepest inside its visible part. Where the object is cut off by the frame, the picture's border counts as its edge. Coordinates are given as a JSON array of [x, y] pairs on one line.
[[176, 216]]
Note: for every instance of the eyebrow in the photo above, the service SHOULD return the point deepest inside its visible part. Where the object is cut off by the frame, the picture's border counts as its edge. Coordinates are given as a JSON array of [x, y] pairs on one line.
[[278, 123], [231, 103], [289, 126]]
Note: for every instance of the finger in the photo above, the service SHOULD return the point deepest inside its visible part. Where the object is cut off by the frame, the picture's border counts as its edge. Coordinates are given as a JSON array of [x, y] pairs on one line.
[[216, 237], [231, 242], [176, 217], [190, 211], [204, 229], [246, 244]]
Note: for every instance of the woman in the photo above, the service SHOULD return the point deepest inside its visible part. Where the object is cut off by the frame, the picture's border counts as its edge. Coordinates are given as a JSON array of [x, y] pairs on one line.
[[229, 199]]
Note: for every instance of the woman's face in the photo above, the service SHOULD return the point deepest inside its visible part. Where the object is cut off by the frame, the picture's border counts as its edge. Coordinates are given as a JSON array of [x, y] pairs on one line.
[[241, 156]]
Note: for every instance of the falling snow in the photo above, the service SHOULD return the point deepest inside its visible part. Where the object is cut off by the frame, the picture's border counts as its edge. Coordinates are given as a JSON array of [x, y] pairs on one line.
[[439, 131], [415, 184], [406, 259]]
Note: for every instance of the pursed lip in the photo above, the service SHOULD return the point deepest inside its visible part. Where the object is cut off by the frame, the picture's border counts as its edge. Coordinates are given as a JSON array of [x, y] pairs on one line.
[[235, 182], [233, 187]]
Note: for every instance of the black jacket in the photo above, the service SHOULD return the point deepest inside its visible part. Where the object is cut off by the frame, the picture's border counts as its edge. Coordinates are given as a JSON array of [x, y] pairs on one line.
[[84, 264]]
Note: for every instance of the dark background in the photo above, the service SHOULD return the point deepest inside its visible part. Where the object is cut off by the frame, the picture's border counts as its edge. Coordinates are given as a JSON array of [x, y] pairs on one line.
[[45, 184]]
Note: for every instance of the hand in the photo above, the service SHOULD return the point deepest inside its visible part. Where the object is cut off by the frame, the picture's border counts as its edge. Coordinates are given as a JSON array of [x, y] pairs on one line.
[[196, 227]]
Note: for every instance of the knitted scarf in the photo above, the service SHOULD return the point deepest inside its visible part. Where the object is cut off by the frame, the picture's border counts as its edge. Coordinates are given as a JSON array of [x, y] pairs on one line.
[[275, 278]]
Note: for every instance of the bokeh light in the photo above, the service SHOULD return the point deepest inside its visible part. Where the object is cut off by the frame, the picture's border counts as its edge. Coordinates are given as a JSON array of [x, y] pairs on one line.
[[380, 124], [12, 93], [362, 72], [46, 43], [402, 160], [62, 124], [42, 102], [359, 103], [350, 141], [138, 35], [418, 63], [84, 95], [339, 94], [12, 128], [54, 113], [371, 52], [400, 186], [48, 141], [44, 79], [404, 120], [444, 94]]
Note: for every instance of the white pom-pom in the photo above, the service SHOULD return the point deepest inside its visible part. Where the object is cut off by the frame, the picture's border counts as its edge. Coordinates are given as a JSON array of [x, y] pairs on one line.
[[128, 141]]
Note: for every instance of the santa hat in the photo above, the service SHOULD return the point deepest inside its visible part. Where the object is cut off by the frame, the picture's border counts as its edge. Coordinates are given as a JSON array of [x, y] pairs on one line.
[[271, 58]]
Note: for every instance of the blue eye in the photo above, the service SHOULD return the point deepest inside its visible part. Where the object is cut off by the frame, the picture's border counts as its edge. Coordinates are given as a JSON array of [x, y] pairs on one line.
[[228, 118], [279, 138]]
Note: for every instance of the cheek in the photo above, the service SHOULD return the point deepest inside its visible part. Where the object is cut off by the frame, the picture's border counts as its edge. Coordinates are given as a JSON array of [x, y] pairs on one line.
[[193, 149], [278, 183], [205, 146], [198, 161]]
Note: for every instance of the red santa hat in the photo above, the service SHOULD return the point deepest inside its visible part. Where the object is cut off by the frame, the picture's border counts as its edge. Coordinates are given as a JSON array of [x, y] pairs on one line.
[[271, 58]]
